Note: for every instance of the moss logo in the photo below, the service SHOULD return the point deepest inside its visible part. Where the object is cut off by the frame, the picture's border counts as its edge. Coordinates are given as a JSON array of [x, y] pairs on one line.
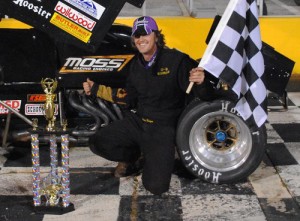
[[95, 64]]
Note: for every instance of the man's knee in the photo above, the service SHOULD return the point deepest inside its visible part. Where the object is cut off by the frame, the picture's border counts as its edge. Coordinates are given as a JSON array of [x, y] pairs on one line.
[[99, 147]]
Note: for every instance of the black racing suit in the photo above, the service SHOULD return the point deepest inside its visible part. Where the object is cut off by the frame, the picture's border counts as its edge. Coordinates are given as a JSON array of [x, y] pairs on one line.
[[157, 93]]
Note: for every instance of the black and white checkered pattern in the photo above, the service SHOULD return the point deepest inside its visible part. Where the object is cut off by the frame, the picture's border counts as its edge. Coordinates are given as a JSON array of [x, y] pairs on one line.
[[271, 193], [234, 56]]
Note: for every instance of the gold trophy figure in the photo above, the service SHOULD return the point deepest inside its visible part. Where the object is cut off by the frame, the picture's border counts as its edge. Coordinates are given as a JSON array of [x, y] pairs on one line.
[[51, 193], [49, 86]]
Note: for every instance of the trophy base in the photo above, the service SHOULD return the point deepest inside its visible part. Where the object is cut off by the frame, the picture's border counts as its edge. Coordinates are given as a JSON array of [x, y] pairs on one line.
[[55, 210]]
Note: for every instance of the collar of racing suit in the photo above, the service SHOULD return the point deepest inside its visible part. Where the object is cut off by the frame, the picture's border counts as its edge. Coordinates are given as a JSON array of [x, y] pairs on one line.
[[152, 62]]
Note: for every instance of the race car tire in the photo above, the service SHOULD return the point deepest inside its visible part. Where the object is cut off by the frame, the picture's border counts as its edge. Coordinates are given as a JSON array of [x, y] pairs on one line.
[[297, 2], [216, 145]]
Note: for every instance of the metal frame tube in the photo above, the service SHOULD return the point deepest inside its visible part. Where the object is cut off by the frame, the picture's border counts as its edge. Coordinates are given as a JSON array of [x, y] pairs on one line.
[[6, 129], [17, 113]]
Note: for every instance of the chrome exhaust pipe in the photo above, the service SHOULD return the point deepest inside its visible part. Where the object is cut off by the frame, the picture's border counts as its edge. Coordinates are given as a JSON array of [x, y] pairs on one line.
[[92, 108], [76, 103], [118, 111], [103, 106]]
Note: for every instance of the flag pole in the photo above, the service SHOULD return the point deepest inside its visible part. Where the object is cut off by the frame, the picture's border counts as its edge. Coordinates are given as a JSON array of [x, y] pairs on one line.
[[188, 90]]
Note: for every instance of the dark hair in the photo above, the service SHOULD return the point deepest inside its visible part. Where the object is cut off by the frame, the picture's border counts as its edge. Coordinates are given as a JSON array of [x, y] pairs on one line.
[[160, 39]]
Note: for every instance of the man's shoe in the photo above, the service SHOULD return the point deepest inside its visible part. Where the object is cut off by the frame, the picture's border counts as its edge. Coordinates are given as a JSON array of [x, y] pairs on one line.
[[121, 169], [126, 169]]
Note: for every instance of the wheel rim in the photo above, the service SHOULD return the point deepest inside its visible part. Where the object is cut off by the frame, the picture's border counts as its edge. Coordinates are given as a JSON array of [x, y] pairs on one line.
[[220, 141]]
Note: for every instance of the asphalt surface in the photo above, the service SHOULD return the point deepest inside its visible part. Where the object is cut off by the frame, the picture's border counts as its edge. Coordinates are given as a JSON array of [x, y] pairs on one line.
[[271, 193]]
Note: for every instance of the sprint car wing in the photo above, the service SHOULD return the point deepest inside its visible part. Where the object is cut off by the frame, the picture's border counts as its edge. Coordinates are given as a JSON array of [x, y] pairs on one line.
[[81, 22]]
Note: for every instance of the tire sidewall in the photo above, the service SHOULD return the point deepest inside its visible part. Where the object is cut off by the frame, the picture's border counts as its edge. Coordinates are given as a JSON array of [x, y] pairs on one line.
[[187, 120]]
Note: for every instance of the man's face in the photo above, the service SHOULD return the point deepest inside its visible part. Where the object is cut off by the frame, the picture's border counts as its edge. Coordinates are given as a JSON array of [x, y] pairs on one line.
[[146, 44]]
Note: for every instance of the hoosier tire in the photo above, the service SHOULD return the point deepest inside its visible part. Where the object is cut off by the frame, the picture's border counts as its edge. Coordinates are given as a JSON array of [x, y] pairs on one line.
[[215, 144]]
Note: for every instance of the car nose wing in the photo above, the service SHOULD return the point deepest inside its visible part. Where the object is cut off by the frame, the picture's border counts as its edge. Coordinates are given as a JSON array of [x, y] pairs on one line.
[[80, 22]]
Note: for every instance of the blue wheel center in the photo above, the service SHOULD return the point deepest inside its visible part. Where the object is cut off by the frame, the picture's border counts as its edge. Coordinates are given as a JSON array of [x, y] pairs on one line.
[[221, 136]]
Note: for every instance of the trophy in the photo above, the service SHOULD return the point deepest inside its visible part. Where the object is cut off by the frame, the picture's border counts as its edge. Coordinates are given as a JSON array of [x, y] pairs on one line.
[[49, 86], [51, 194]]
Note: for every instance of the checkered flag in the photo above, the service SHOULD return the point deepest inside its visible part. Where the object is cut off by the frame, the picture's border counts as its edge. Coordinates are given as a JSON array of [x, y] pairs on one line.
[[234, 56]]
